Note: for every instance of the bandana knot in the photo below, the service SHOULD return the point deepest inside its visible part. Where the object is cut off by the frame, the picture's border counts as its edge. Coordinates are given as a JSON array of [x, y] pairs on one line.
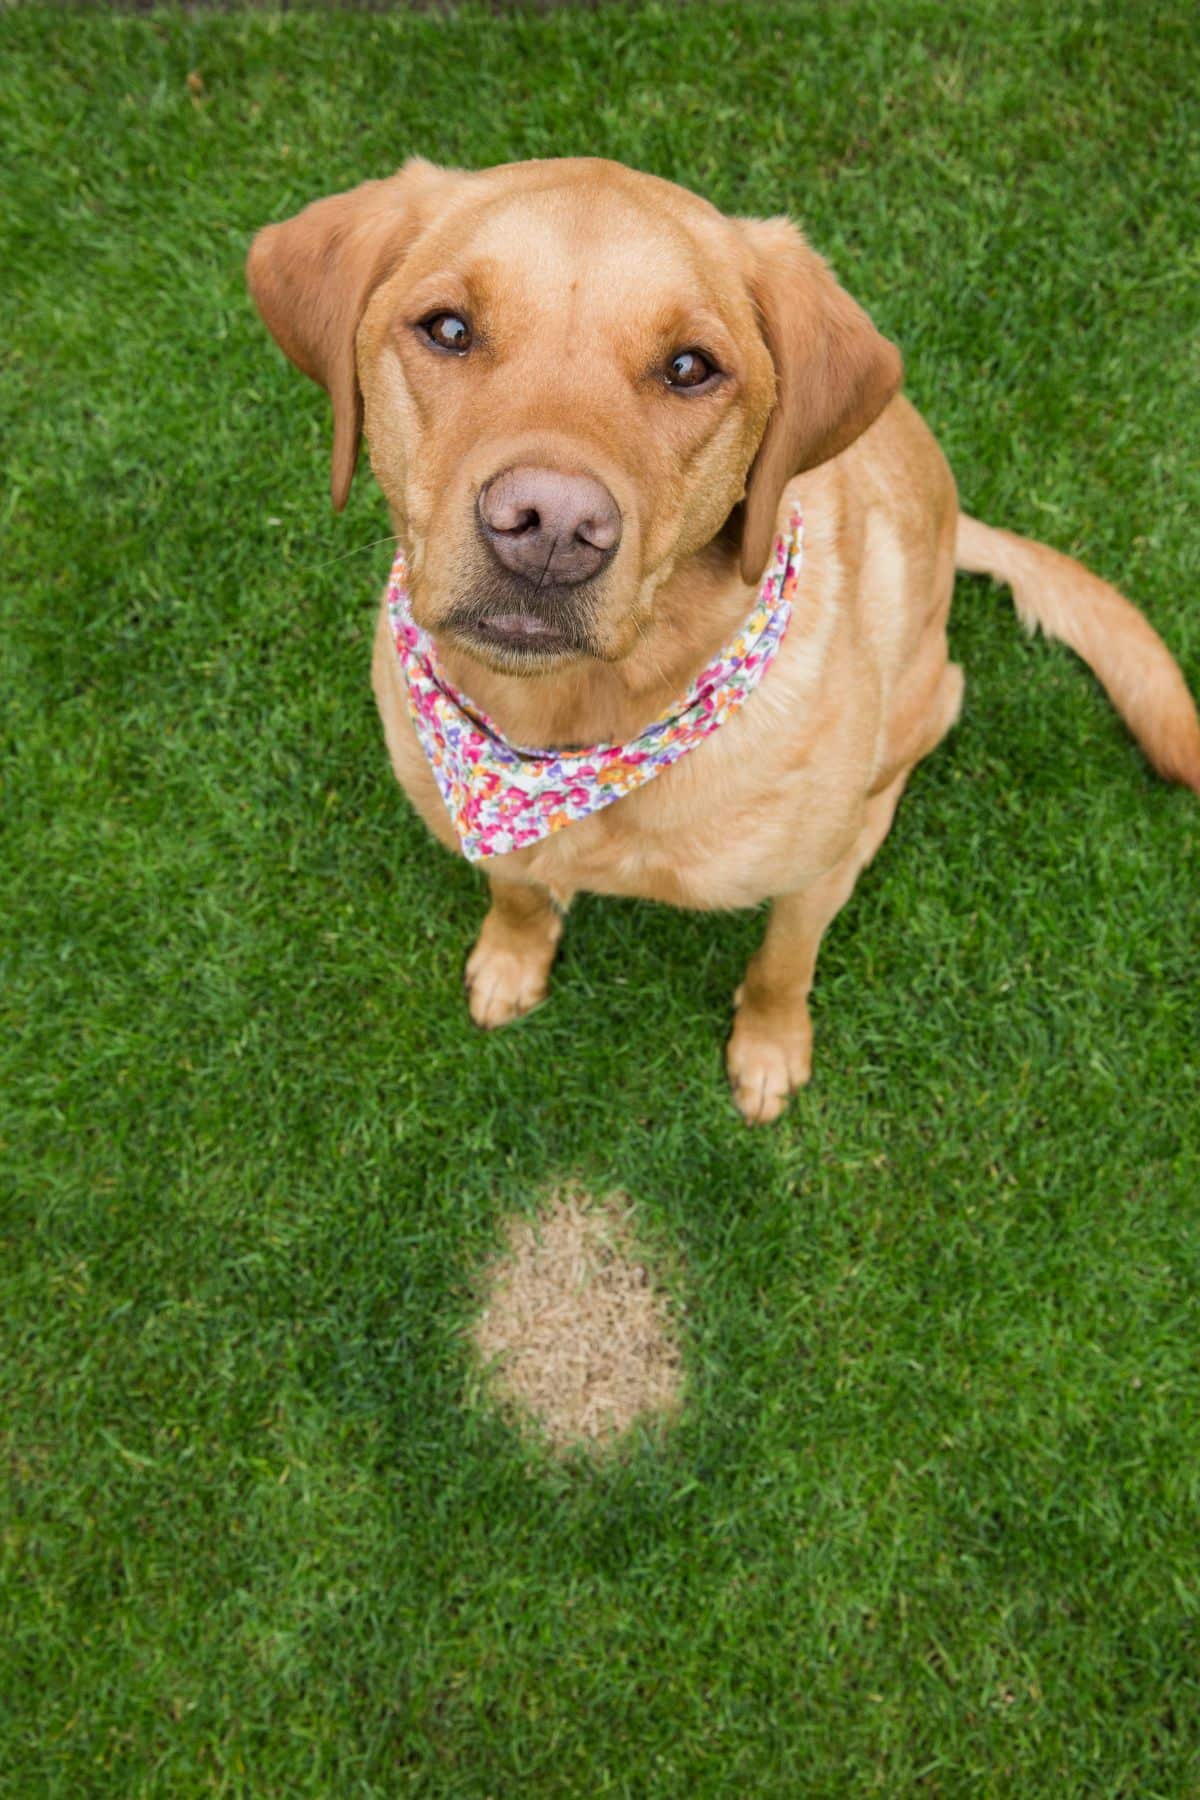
[[502, 796]]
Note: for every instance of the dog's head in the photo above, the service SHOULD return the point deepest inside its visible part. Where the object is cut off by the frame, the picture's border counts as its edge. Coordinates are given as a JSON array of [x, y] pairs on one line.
[[568, 375]]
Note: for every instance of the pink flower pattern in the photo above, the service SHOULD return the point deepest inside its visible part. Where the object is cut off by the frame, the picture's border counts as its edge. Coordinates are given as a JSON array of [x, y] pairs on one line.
[[502, 796]]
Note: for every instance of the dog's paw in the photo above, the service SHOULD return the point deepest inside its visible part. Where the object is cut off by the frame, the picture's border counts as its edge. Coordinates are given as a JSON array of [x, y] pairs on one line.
[[767, 1063], [502, 984]]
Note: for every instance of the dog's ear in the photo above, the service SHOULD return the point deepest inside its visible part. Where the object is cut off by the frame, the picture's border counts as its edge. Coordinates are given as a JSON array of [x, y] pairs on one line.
[[834, 373], [311, 278]]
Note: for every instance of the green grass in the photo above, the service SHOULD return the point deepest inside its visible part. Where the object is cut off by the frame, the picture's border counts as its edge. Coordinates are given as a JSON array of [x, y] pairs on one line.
[[928, 1523]]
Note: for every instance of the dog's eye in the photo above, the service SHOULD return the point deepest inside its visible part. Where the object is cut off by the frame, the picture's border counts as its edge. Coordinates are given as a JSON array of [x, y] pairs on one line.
[[690, 369], [448, 331]]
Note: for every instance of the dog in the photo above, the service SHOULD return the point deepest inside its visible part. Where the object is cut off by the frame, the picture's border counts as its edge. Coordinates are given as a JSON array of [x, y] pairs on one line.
[[638, 453]]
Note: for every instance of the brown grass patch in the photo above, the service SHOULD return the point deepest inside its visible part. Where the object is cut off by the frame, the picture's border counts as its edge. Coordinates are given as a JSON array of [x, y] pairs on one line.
[[573, 1331]]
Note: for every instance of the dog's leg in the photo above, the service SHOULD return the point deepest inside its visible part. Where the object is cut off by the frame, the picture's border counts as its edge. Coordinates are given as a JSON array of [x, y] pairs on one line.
[[770, 1052], [508, 971]]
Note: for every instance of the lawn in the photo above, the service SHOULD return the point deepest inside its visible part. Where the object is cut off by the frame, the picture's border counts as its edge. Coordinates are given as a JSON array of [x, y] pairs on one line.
[[926, 1522]]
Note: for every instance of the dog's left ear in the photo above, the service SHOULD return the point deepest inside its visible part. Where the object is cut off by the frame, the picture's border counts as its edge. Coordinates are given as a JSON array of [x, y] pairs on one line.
[[834, 373], [311, 278]]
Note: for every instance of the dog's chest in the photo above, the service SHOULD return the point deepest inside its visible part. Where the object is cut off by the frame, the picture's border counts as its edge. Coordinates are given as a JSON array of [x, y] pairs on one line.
[[731, 824], [757, 809]]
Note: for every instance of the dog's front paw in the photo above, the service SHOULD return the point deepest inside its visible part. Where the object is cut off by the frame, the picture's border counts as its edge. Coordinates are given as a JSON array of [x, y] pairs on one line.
[[767, 1061], [502, 984]]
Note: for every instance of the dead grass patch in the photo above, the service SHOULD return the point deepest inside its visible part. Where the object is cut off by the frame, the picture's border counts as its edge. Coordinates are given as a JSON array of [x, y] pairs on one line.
[[573, 1332]]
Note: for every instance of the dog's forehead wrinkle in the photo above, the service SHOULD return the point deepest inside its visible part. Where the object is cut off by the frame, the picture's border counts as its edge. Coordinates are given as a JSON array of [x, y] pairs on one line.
[[562, 241], [542, 296]]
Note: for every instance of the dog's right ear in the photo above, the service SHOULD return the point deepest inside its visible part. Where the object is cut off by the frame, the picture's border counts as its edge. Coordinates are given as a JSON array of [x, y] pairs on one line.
[[311, 278]]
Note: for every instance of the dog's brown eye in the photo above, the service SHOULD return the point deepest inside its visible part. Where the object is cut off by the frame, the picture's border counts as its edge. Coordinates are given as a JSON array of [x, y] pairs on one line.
[[689, 369], [447, 331]]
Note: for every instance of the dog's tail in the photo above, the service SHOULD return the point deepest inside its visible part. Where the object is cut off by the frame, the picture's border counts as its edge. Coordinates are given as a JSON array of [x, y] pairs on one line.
[[1141, 676]]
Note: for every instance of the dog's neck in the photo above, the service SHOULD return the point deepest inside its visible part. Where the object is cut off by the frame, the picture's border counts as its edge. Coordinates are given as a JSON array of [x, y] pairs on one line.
[[695, 611]]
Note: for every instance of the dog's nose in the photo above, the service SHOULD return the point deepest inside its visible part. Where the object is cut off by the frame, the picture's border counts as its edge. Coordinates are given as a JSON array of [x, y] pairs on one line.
[[548, 526]]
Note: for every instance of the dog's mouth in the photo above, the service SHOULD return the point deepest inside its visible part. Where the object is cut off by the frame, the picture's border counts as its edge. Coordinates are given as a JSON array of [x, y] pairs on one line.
[[523, 632]]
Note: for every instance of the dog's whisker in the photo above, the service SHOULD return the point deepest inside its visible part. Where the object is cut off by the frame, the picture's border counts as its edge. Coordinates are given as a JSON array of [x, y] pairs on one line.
[[546, 565], [357, 551], [655, 659]]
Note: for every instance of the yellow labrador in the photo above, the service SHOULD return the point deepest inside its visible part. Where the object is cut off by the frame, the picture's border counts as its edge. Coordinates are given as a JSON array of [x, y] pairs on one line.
[[590, 398]]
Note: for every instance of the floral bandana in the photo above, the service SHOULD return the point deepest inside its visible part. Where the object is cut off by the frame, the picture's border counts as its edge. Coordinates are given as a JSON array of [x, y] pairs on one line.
[[501, 797]]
